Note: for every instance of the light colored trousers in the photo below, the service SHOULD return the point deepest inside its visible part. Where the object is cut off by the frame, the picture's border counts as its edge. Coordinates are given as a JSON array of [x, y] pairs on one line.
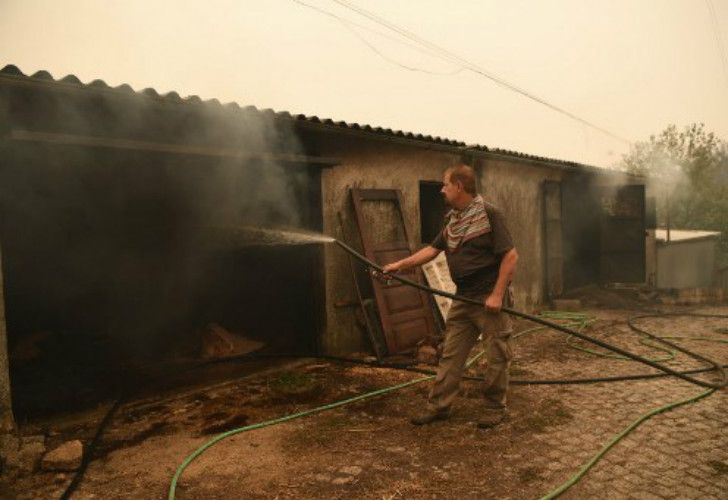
[[464, 323]]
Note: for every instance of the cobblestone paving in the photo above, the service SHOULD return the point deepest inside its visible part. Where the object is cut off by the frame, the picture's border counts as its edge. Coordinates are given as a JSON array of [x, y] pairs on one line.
[[369, 450], [682, 453]]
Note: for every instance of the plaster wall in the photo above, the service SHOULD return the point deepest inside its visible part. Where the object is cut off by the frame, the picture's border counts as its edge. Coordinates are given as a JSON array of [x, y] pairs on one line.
[[515, 187], [512, 185]]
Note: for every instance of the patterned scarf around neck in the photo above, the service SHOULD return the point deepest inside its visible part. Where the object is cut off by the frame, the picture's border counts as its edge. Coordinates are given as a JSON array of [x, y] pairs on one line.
[[466, 224]]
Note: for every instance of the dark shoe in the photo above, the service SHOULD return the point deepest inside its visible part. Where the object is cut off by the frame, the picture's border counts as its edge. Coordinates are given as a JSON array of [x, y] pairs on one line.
[[491, 418], [430, 416]]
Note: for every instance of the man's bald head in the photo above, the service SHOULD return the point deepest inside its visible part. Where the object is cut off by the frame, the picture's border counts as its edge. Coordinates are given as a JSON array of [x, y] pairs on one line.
[[464, 175]]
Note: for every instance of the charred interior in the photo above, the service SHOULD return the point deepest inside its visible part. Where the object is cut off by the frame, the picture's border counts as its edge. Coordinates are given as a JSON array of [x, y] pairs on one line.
[[120, 257]]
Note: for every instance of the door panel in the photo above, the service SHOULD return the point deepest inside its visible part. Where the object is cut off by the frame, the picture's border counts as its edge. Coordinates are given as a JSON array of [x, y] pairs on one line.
[[405, 312]]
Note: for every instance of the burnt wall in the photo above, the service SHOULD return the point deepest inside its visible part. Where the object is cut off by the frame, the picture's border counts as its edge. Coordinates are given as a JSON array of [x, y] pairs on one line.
[[6, 407], [582, 231], [603, 227], [116, 259], [117, 254], [110, 239]]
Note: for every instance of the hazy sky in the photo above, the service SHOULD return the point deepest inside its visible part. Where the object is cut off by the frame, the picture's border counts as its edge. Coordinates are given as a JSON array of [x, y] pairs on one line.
[[629, 66]]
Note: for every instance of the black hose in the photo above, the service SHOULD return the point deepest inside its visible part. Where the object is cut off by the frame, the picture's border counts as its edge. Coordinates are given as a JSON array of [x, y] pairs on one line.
[[541, 321], [88, 455], [572, 381], [410, 367]]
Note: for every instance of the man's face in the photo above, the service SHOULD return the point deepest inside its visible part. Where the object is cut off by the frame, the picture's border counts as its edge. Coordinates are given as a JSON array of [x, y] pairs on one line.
[[449, 190]]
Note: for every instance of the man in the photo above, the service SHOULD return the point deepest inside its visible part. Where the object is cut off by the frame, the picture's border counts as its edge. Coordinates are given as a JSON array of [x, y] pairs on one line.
[[482, 259]]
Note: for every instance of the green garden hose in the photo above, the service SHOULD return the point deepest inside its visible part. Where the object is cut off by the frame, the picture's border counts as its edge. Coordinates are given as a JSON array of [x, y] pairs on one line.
[[585, 468], [199, 451]]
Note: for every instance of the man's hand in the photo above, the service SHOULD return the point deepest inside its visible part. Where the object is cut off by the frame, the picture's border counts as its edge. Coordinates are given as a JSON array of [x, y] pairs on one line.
[[392, 268], [423, 255], [386, 275], [494, 302]]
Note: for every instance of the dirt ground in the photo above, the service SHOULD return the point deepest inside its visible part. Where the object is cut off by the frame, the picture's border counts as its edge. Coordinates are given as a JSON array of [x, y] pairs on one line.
[[368, 449]]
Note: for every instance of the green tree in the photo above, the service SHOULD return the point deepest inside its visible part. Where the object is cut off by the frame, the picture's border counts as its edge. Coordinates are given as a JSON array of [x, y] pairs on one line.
[[687, 171]]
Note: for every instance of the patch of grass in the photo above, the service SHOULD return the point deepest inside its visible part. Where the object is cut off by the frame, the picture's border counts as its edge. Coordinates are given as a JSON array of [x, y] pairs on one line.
[[720, 467], [529, 474], [291, 381], [295, 384]]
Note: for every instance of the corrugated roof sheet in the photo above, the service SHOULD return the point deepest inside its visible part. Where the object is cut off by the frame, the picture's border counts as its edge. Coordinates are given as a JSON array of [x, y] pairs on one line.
[[14, 71]]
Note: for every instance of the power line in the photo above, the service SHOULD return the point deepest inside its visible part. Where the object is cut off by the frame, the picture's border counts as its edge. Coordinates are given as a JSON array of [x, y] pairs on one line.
[[349, 26], [718, 38], [352, 23], [452, 57], [388, 59], [367, 28], [434, 49]]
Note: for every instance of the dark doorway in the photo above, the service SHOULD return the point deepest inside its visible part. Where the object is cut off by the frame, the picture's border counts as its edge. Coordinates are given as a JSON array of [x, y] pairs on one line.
[[432, 210]]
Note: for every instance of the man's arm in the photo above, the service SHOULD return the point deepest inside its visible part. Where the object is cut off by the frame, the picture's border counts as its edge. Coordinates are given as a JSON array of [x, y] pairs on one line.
[[494, 301], [416, 259]]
